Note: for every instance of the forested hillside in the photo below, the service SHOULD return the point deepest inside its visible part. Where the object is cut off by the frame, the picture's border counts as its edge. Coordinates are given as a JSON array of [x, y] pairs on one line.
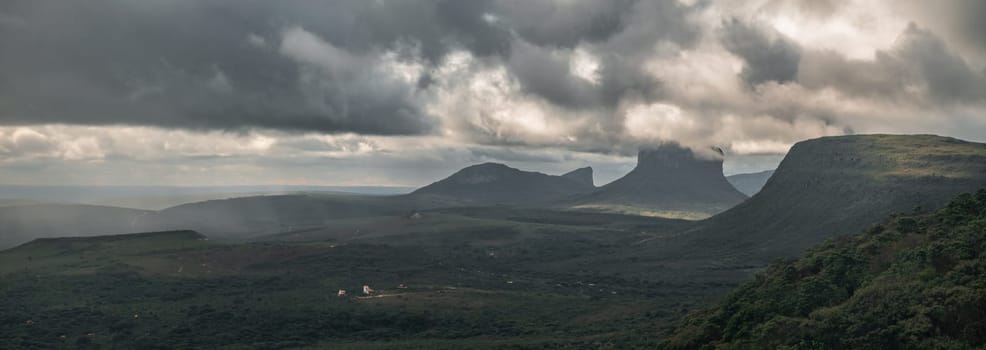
[[912, 282]]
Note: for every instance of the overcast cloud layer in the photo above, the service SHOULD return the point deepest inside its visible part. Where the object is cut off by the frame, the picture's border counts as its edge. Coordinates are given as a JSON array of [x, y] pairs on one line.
[[403, 92]]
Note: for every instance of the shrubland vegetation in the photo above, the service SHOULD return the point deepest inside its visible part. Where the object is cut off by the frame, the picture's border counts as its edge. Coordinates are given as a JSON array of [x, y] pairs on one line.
[[178, 290], [912, 282]]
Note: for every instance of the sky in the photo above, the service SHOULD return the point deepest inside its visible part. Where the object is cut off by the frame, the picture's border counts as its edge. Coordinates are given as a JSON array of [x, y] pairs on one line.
[[403, 93]]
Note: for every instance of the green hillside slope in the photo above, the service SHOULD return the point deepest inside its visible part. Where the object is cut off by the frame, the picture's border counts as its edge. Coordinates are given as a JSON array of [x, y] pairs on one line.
[[913, 282], [840, 184]]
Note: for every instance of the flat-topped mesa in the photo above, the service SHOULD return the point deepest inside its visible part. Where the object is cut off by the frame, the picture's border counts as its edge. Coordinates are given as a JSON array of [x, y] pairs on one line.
[[494, 183], [671, 178], [130, 242], [672, 155], [669, 167], [177, 234], [838, 185]]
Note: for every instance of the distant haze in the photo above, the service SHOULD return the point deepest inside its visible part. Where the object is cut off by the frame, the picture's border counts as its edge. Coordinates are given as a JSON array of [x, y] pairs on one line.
[[750, 183], [160, 197]]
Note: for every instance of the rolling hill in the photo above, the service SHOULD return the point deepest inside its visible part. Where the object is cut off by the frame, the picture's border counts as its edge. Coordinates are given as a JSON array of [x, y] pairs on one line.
[[266, 215], [912, 282], [839, 184], [20, 224], [671, 181], [498, 184], [64, 250], [750, 183]]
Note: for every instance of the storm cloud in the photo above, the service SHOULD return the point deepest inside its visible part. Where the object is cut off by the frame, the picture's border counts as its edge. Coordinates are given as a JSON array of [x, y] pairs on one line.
[[919, 67], [553, 83], [768, 56], [250, 64]]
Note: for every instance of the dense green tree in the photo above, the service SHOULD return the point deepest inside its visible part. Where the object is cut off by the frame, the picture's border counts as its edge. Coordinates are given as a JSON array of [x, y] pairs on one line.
[[913, 282]]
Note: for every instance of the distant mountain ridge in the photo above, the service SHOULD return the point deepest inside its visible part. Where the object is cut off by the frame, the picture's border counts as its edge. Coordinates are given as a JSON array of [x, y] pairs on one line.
[[750, 183], [495, 183], [669, 178], [583, 175]]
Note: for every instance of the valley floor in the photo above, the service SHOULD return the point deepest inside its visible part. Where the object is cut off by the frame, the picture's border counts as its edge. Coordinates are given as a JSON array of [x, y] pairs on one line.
[[531, 286]]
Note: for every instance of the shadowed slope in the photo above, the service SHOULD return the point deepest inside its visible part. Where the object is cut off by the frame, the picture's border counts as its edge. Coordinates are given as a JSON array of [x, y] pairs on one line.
[[841, 184], [910, 283]]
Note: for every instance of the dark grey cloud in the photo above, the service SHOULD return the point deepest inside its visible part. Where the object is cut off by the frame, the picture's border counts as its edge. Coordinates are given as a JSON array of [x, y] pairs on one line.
[[948, 76], [216, 64], [549, 23], [960, 21], [622, 78], [189, 64], [621, 35], [297, 66], [436, 26], [176, 64], [861, 78], [652, 22], [970, 24], [921, 68], [547, 74], [768, 55]]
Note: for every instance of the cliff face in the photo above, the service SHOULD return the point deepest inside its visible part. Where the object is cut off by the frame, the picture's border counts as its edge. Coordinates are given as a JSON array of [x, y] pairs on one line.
[[840, 185], [493, 183], [670, 178]]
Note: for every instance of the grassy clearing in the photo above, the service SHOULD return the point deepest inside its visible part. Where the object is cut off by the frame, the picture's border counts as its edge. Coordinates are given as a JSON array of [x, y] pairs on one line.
[[640, 211]]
